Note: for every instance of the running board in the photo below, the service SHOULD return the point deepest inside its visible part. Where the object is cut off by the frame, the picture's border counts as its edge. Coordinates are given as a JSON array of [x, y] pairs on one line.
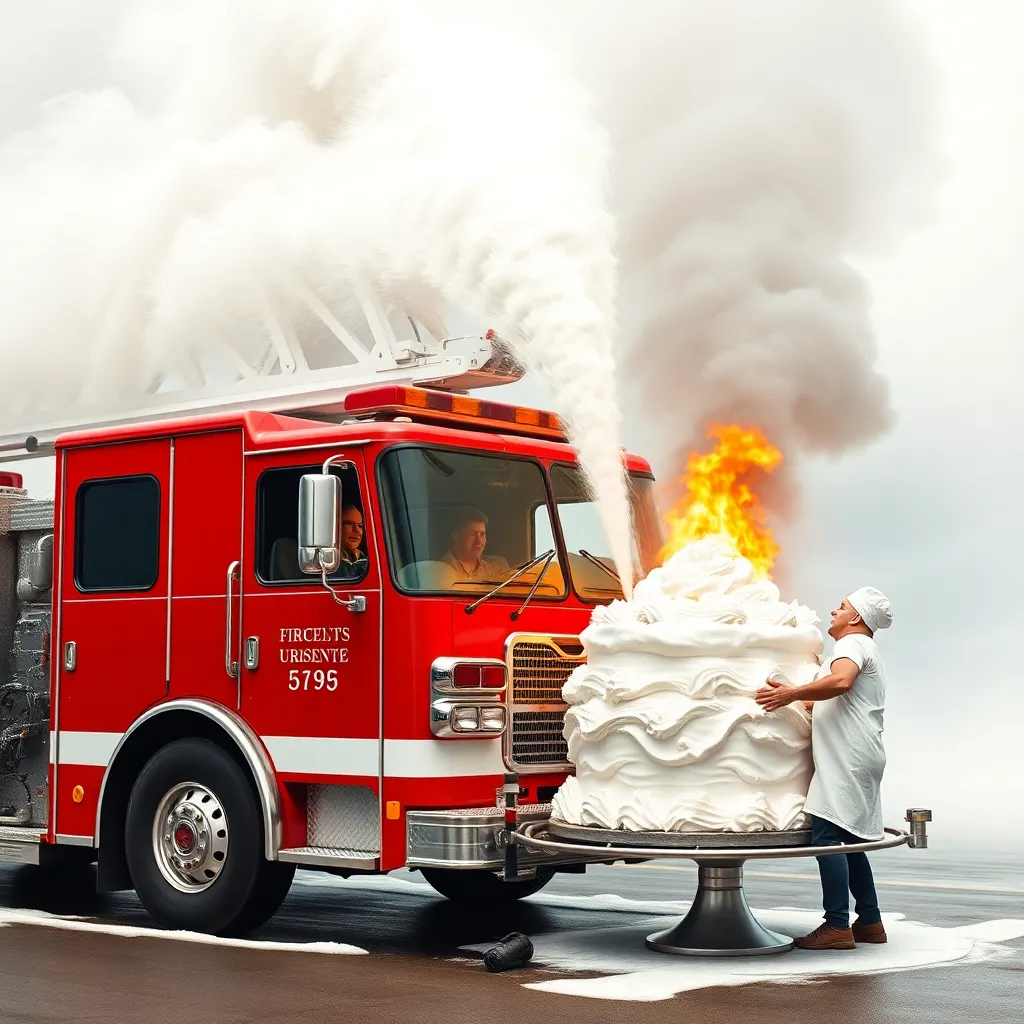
[[330, 857]]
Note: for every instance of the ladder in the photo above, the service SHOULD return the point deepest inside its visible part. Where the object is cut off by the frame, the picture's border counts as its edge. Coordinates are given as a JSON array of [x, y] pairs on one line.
[[309, 377]]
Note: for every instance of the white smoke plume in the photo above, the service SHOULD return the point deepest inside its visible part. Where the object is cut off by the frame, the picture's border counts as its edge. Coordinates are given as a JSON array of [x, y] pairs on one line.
[[761, 148], [250, 151]]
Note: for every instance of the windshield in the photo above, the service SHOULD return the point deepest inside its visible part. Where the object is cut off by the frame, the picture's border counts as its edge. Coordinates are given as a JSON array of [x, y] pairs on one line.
[[464, 522], [584, 536]]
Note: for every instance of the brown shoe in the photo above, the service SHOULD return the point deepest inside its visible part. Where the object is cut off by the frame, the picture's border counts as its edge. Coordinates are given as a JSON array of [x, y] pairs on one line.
[[870, 932], [826, 937]]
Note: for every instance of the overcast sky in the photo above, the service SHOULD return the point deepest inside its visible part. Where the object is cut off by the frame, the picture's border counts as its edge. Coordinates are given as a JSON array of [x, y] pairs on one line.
[[931, 513]]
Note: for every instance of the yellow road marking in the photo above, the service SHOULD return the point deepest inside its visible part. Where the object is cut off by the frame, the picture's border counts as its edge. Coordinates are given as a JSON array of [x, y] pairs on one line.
[[803, 876]]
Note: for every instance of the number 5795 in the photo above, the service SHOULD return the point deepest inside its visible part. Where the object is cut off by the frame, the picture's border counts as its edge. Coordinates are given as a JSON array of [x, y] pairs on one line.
[[300, 679]]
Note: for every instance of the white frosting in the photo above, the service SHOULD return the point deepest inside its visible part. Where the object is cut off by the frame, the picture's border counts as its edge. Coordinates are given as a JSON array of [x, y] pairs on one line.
[[663, 727]]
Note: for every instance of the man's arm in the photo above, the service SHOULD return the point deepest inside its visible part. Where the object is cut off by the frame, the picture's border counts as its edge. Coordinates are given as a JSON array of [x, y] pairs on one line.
[[839, 681]]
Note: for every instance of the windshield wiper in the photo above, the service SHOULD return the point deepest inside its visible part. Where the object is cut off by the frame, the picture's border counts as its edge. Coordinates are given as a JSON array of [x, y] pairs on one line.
[[470, 608], [536, 583], [604, 568]]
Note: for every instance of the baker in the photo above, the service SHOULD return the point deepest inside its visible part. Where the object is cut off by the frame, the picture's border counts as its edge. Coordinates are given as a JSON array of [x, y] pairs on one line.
[[843, 800]]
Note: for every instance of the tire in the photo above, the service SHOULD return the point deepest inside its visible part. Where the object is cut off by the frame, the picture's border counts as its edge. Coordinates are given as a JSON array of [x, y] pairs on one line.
[[271, 889], [483, 888], [202, 869]]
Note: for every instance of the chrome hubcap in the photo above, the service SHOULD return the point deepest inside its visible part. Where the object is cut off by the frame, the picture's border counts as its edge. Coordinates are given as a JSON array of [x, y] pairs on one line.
[[190, 837]]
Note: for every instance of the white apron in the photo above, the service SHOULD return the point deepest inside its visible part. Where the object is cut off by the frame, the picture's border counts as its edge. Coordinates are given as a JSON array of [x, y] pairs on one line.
[[846, 738]]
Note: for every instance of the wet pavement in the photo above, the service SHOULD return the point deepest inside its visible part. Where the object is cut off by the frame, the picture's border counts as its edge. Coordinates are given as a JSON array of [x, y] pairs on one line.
[[418, 967]]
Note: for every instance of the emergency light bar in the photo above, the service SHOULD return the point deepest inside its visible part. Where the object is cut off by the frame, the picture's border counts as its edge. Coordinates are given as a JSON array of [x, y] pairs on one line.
[[444, 407]]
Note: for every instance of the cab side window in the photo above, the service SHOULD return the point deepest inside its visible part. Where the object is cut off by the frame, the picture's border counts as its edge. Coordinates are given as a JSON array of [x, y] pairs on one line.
[[117, 534], [277, 516]]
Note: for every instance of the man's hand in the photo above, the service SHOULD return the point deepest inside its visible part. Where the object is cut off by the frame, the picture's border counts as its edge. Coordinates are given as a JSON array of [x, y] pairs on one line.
[[775, 695]]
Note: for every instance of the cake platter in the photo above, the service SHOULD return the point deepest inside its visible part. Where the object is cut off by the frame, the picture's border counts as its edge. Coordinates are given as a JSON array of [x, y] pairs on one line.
[[678, 840], [719, 921]]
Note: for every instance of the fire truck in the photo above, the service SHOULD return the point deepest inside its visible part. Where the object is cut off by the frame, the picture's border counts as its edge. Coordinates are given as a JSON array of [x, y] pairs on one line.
[[310, 617]]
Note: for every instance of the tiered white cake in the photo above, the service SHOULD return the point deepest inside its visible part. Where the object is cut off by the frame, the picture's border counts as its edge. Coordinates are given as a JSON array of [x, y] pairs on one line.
[[662, 726]]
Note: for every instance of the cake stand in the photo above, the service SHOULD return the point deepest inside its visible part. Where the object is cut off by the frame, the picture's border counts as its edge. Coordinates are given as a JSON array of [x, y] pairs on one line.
[[719, 922]]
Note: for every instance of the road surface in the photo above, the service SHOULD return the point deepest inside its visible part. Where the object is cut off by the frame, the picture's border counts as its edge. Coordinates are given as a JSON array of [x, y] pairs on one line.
[[390, 949]]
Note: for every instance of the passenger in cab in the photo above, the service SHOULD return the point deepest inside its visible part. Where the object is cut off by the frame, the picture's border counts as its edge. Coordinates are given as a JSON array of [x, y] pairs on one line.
[[465, 554], [352, 534]]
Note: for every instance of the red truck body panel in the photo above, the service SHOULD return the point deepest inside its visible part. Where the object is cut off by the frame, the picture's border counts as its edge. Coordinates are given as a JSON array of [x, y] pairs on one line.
[[365, 721]]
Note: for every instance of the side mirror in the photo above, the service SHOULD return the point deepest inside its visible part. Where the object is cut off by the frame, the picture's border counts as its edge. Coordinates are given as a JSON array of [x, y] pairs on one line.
[[319, 523]]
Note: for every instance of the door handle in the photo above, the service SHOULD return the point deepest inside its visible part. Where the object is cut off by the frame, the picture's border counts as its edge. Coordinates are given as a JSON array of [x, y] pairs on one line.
[[70, 656], [252, 653], [230, 665]]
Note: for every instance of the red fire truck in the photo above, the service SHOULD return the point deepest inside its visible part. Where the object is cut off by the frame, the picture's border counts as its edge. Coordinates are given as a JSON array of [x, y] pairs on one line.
[[310, 625]]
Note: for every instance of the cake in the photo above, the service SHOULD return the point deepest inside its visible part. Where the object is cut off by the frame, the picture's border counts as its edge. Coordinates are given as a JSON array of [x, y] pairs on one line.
[[662, 725]]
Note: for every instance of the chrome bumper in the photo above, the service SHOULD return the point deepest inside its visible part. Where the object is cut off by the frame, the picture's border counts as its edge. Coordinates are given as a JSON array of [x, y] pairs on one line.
[[471, 838]]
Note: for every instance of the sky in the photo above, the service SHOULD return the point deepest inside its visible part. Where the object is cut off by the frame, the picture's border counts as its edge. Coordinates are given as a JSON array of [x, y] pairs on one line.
[[930, 512]]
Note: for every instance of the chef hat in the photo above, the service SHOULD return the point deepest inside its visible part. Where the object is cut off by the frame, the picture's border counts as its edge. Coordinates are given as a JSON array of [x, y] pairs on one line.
[[873, 607]]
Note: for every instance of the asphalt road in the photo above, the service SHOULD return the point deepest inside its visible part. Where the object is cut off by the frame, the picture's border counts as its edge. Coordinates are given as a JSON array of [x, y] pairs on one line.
[[419, 967]]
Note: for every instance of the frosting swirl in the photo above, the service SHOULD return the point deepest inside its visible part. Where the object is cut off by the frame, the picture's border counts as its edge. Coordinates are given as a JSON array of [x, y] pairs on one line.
[[662, 725]]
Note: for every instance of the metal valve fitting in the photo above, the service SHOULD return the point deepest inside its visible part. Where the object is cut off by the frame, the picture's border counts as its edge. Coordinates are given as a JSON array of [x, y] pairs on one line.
[[918, 818]]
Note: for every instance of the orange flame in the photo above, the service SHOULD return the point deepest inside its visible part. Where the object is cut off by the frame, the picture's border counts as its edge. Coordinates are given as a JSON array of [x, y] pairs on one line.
[[719, 499]]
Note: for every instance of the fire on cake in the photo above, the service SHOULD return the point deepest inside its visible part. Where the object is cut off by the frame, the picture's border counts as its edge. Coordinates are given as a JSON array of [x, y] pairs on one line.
[[663, 728]]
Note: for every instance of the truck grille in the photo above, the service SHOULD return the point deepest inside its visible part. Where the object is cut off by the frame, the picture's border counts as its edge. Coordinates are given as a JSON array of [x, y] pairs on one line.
[[538, 668]]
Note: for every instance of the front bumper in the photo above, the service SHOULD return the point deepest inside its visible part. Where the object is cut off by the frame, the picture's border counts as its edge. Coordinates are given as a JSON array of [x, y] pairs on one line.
[[473, 839]]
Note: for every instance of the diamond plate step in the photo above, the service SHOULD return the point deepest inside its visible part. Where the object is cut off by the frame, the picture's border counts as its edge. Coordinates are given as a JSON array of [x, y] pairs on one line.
[[330, 857]]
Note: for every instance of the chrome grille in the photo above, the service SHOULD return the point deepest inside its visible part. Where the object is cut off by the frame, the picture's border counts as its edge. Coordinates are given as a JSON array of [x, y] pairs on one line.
[[537, 738], [538, 668], [538, 673]]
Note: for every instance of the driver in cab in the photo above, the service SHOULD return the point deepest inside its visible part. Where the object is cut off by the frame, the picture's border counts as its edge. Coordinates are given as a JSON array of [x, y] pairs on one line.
[[465, 554]]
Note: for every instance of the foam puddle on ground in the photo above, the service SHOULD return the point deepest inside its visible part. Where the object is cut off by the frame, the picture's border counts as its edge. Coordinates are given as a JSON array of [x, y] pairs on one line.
[[634, 973], [629, 971], [38, 918]]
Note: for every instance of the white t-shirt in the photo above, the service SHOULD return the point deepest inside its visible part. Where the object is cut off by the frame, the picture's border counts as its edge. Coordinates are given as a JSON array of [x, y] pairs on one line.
[[846, 739]]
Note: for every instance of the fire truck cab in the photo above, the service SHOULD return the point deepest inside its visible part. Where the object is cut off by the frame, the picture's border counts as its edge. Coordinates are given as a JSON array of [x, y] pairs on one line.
[[246, 640]]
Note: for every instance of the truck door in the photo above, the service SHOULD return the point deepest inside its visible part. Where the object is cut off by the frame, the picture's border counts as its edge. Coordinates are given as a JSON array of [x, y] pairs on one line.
[[113, 574], [311, 667], [206, 545]]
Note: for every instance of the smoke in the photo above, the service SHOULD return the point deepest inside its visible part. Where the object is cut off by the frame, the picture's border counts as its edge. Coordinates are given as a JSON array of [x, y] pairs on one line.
[[246, 155], [753, 152], [761, 148]]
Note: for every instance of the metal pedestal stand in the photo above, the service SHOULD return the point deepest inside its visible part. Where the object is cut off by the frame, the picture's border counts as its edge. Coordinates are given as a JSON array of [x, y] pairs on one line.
[[719, 922]]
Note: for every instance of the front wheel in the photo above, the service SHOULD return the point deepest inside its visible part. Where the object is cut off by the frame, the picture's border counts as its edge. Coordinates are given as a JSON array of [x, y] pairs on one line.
[[483, 888], [194, 840]]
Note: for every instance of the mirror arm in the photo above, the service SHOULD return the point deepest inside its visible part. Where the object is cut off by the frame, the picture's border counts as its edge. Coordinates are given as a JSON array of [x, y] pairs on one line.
[[340, 460], [353, 604]]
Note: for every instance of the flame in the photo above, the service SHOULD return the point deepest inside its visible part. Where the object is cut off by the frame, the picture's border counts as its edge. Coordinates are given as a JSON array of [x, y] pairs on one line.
[[719, 499]]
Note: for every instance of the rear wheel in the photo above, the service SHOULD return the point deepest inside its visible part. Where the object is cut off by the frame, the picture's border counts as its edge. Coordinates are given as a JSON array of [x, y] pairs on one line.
[[194, 842], [483, 888]]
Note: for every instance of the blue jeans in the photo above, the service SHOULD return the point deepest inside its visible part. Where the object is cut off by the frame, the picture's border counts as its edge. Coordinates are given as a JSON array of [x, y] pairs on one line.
[[842, 875]]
